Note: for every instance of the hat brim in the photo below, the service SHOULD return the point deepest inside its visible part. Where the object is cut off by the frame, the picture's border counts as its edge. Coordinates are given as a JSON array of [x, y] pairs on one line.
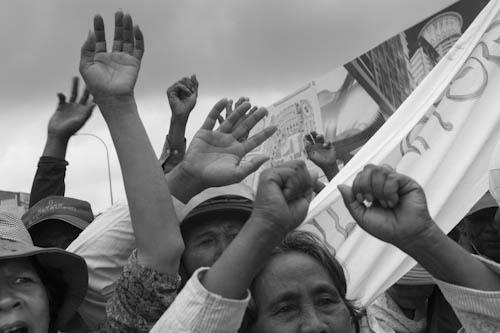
[[72, 220], [417, 276], [72, 268], [226, 207]]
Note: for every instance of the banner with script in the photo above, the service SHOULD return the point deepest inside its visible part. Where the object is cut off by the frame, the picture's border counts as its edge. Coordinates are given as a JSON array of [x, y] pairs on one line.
[[443, 136]]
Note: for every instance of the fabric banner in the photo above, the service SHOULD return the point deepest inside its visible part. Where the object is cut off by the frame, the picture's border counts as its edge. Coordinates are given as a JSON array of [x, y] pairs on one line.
[[442, 136]]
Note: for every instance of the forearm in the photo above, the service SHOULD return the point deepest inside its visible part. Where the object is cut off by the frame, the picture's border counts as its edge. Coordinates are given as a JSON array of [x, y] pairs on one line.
[[182, 186], [449, 262], [154, 221], [330, 171], [55, 146], [233, 272], [49, 179], [177, 130]]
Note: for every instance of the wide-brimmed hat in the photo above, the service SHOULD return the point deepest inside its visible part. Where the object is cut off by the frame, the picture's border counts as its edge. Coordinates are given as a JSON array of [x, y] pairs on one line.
[[77, 213], [69, 269], [235, 198]]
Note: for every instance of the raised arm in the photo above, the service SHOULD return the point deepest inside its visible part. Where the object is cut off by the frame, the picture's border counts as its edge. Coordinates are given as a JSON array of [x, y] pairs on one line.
[[218, 302], [182, 97], [111, 77], [69, 118], [281, 204], [399, 215]]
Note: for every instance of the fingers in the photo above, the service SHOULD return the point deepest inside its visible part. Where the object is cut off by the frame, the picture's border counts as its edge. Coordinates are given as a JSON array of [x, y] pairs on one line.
[[62, 98], [257, 139], [118, 38], [128, 35], [250, 167], [299, 184], [190, 84], [240, 101], [229, 108], [230, 122], [376, 183], [100, 37], [139, 43], [355, 208], [244, 128], [85, 97], [195, 82], [87, 51], [74, 90], [214, 114]]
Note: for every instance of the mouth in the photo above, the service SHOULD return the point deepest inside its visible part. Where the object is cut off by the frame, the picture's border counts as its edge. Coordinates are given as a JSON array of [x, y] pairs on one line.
[[15, 328]]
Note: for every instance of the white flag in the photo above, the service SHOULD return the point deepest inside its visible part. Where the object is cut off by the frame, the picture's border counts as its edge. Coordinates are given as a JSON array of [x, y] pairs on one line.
[[442, 136]]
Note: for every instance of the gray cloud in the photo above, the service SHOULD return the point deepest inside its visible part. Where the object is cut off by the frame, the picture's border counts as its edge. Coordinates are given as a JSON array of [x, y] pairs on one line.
[[262, 49]]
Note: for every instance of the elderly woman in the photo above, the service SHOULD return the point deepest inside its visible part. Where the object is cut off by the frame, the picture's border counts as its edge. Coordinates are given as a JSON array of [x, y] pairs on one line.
[[40, 288], [296, 287]]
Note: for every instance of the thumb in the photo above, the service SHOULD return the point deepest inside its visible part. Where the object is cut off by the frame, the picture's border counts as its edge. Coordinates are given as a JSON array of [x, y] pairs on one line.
[[356, 209]]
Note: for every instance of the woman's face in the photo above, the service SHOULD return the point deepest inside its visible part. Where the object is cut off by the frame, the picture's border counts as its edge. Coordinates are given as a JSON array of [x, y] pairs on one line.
[[295, 293], [24, 304]]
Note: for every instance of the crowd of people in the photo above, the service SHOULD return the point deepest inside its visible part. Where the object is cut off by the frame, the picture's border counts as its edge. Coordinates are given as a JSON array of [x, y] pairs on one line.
[[194, 249]]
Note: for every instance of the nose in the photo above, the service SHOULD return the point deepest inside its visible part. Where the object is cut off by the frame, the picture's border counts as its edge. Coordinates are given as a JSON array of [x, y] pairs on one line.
[[8, 300], [312, 321]]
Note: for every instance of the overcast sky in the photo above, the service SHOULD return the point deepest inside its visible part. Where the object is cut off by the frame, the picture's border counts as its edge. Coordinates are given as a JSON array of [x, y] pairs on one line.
[[263, 49]]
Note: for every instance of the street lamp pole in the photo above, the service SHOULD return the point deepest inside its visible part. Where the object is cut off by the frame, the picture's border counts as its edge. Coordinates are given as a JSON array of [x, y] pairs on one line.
[[107, 159]]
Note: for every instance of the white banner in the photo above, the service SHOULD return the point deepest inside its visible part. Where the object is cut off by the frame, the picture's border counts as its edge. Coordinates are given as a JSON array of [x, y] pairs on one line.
[[442, 136]]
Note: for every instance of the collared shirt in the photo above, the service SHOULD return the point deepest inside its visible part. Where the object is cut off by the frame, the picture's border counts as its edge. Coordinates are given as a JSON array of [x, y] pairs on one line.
[[198, 310], [172, 155]]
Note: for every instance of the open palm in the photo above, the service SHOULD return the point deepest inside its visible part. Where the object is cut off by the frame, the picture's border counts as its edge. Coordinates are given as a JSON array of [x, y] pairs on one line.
[[215, 157], [112, 73], [115, 73], [70, 116]]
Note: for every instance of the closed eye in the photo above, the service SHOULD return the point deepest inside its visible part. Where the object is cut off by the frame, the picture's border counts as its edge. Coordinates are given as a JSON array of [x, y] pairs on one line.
[[283, 309]]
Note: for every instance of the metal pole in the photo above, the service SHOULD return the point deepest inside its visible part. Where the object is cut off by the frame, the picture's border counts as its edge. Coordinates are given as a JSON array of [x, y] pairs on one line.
[[107, 159]]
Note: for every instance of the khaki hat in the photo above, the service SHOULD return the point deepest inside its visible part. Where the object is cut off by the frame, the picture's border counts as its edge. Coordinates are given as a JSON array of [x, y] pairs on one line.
[[15, 242], [236, 197], [76, 212]]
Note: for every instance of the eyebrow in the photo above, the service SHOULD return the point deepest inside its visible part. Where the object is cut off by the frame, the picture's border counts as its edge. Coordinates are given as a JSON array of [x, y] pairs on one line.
[[288, 295], [203, 234], [326, 287], [317, 289]]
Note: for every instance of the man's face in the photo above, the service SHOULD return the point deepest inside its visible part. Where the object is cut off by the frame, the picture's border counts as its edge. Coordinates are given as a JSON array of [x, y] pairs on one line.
[[483, 230], [205, 241], [53, 233]]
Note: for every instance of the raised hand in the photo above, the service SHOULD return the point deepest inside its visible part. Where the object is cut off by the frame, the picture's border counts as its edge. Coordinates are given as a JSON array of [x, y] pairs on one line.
[[182, 96], [112, 73], [398, 213], [70, 116], [283, 195], [213, 157], [320, 152]]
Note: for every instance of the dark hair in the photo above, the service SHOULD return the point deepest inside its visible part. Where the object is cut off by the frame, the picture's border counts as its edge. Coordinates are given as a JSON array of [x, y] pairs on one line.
[[55, 289], [309, 244]]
